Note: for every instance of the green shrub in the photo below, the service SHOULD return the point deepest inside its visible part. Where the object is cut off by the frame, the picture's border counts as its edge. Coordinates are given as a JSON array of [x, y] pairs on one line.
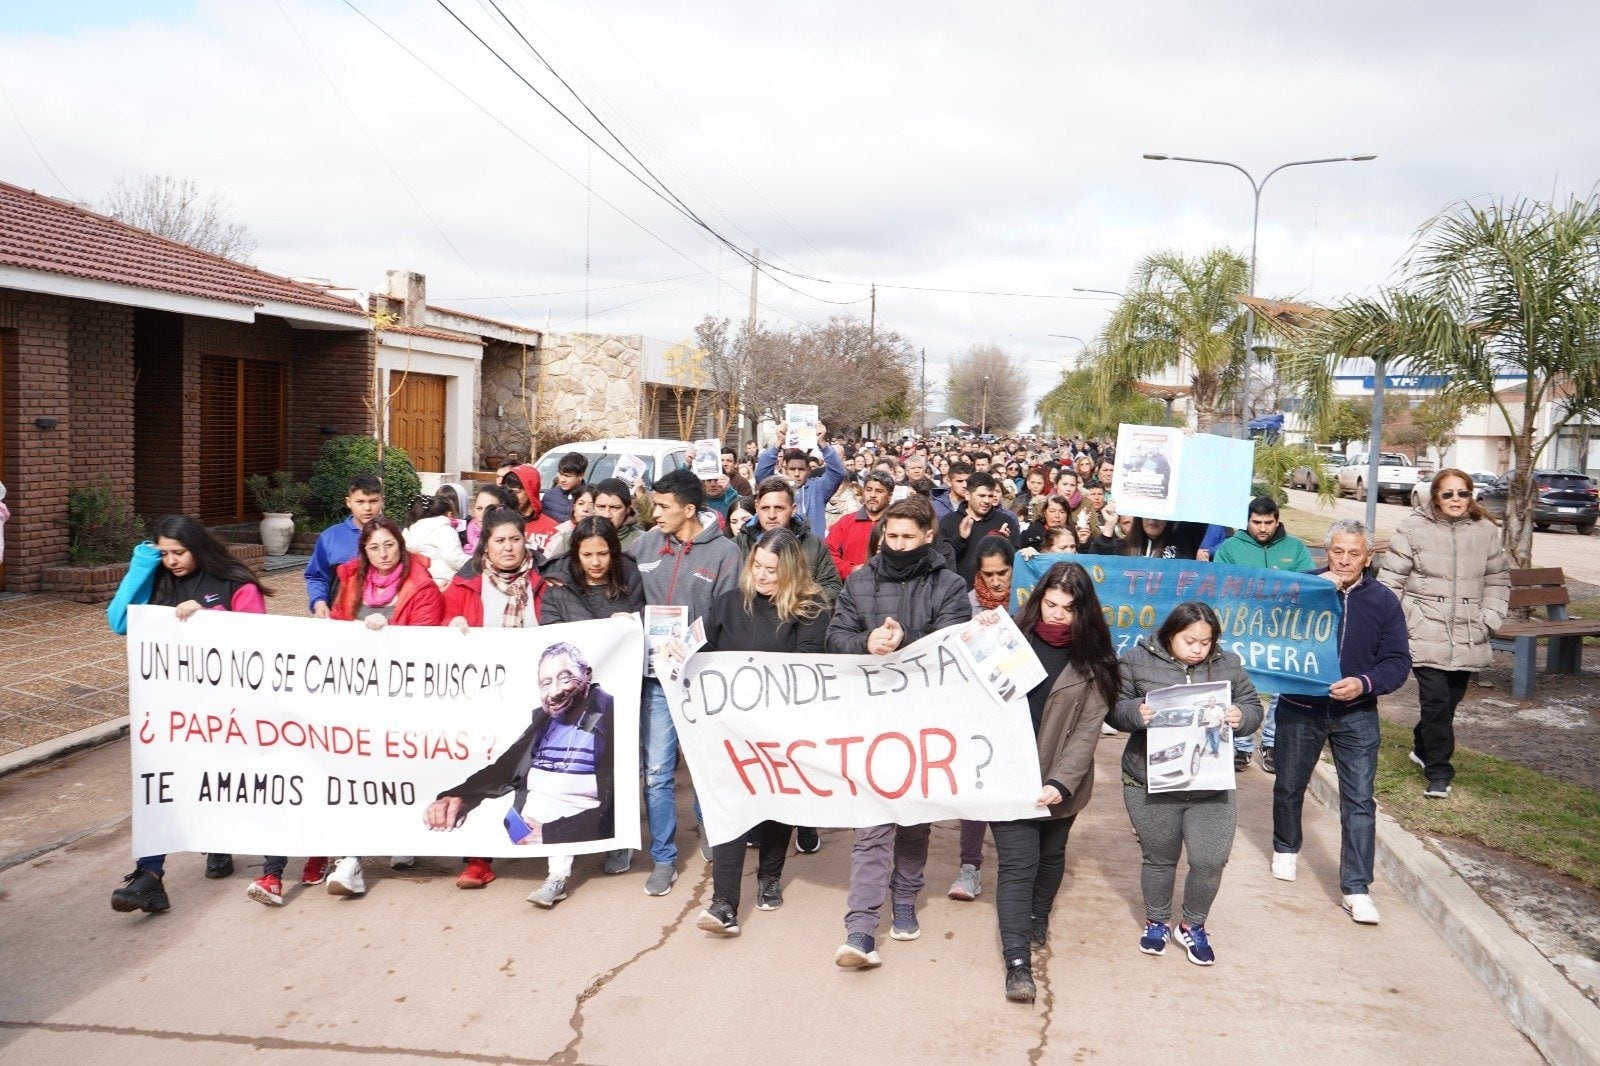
[[101, 526], [343, 458], [280, 494]]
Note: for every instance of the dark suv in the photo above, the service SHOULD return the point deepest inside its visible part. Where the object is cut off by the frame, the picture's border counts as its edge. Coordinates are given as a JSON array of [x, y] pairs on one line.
[[1564, 498]]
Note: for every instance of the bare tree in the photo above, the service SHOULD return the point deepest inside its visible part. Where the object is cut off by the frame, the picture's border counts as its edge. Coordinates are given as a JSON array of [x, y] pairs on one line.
[[987, 388], [175, 208], [723, 364]]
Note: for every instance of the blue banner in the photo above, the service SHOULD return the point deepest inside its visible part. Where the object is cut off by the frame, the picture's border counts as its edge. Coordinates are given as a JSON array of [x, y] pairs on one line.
[[1283, 625]]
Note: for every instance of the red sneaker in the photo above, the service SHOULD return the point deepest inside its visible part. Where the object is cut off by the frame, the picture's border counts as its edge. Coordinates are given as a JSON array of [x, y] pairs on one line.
[[477, 874], [316, 870], [267, 889]]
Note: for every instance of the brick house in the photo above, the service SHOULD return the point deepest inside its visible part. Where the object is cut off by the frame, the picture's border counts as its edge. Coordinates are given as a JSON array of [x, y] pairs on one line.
[[172, 373]]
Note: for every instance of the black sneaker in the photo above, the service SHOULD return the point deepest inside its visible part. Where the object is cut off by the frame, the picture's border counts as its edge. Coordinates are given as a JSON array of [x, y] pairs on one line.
[[141, 891], [769, 895], [719, 918], [1241, 761], [219, 866], [1041, 931], [1019, 982], [1437, 790], [807, 841], [1268, 764]]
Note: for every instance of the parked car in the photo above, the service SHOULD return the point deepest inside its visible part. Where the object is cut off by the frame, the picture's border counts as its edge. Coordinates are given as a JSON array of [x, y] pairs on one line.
[[1481, 480], [1397, 476], [1310, 478], [1564, 499], [657, 454]]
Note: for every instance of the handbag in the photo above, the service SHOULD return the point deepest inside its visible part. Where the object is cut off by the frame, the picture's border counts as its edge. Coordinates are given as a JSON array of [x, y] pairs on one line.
[[135, 588]]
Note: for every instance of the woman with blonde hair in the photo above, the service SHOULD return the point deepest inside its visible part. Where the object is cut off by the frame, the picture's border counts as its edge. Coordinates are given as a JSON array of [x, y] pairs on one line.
[[779, 607]]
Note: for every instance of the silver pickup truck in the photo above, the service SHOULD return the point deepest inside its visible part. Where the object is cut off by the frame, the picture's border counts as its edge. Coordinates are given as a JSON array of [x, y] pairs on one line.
[[1397, 476]]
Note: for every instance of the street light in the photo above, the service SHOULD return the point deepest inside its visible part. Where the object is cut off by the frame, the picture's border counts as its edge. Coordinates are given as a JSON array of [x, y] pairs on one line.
[[1255, 223]]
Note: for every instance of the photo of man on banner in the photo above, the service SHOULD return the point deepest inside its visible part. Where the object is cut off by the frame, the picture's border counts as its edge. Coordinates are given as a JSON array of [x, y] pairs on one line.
[[560, 768]]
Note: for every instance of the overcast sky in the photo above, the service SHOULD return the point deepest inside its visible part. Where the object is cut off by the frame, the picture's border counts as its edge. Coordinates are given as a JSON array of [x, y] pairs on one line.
[[950, 146]]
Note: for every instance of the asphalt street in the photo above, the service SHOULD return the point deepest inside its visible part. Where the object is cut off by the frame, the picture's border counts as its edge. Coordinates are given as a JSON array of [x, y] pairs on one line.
[[418, 970]]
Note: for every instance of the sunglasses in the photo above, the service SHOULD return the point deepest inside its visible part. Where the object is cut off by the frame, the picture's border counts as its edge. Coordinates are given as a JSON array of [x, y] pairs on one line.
[[1456, 494]]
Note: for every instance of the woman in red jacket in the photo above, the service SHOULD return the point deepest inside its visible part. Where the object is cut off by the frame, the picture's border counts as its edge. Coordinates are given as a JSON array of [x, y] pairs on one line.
[[498, 589], [383, 585]]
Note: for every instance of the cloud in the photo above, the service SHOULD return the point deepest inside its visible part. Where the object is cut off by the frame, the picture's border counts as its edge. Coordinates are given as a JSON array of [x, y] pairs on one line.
[[937, 144]]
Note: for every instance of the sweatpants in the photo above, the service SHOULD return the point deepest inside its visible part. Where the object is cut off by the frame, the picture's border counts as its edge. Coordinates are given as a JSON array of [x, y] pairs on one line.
[[1033, 859], [884, 858], [972, 842], [1173, 822], [727, 861]]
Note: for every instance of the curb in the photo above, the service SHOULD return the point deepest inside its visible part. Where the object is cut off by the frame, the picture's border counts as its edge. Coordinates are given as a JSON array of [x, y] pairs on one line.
[[1555, 1017], [92, 737]]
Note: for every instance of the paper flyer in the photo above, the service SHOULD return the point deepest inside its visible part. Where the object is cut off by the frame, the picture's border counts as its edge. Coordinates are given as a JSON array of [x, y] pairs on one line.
[[630, 468], [662, 624], [1000, 656], [802, 421], [1190, 747], [669, 668], [708, 458]]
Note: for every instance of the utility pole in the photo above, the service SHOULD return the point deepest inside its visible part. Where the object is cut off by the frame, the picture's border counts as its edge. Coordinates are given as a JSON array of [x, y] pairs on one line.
[[923, 425], [872, 323], [750, 339]]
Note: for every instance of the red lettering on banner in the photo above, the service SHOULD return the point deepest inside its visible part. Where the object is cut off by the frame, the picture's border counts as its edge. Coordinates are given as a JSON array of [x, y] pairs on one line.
[[930, 764], [778, 766], [815, 791], [739, 765], [911, 764], [843, 744]]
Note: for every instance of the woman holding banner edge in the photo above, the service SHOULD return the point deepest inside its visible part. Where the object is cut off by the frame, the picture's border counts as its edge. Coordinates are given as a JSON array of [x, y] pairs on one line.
[[196, 573], [1067, 630], [777, 607]]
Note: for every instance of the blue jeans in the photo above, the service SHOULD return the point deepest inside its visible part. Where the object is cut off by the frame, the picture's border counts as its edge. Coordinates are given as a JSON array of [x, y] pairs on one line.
[[1269, 729], [1353, 738], [659, 755]]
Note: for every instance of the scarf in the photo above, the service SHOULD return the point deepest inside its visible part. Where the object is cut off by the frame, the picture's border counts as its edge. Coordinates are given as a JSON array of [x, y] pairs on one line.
[[903, 566], [515, 586], [986, 599], [1055, 634], [380, 589]]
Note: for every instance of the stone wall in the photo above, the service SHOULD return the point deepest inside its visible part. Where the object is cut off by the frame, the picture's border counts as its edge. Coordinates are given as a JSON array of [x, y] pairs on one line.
[[585, 385]]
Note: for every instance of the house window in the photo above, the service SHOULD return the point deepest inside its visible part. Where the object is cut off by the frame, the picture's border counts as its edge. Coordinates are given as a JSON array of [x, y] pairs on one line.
[[241, 433]]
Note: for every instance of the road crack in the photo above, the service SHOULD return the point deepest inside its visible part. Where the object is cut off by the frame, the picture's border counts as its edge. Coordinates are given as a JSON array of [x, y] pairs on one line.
[[568, 1055], [1042, 982]]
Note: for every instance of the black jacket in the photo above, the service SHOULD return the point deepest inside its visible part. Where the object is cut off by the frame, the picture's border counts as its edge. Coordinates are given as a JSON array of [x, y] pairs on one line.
[[823, 569], [730, 628], [998, 523], [566, 602], [925, 604]]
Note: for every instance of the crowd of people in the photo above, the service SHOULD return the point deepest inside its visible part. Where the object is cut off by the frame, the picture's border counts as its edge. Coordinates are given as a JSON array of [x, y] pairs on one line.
[[863, 548]]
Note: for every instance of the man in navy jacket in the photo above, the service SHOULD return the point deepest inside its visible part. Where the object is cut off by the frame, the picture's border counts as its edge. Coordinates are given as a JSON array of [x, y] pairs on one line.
[[1375, 658]]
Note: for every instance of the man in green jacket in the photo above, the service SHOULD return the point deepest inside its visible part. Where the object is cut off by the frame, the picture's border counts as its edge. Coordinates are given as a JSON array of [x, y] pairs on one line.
[[1266, 544]]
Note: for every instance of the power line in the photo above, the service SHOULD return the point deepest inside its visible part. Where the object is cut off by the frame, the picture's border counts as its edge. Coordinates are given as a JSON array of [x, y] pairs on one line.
[[29, 138]]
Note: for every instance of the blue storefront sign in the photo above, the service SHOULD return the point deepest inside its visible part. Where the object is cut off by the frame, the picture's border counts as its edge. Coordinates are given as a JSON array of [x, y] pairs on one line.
[[1426, 382]]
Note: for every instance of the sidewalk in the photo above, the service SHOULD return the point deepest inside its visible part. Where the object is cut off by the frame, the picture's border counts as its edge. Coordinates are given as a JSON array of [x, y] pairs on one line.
[[63, 670]]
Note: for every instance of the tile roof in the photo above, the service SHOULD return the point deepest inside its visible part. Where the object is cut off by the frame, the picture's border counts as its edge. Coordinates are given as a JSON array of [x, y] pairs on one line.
[[39, 232], [437, 334], [480, 318]]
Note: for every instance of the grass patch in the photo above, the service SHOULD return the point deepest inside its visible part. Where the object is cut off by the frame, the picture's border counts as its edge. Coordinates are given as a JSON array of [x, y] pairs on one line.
[[1589, 609], [1309, 526], [1497, 804]]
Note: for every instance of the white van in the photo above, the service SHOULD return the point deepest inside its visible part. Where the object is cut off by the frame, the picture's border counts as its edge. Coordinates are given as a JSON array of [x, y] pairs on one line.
[[657, 454]]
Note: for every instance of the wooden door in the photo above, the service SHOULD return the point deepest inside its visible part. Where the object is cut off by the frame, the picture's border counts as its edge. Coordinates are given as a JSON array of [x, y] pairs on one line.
[[241, 433], [416, 418]]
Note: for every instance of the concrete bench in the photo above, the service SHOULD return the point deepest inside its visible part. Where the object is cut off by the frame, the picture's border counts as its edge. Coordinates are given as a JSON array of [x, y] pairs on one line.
[[1544, 587]]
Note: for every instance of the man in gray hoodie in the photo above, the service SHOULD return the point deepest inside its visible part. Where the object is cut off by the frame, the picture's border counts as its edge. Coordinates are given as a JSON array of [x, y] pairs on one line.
[[684, 560]]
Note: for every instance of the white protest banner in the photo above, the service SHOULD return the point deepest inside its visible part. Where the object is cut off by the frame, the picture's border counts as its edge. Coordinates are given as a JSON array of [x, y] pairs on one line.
[[1162, 472], [852, 740], [258, 734]]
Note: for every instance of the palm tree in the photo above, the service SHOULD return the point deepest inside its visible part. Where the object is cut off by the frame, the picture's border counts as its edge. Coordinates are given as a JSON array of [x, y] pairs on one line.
[[1076, 405], [1182, 312], [1506, 289]]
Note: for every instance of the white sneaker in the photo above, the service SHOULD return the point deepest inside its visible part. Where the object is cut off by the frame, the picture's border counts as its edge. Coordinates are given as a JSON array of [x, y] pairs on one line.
[[1284, 865], [1361, 909], [550, 893], [346, 879]]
